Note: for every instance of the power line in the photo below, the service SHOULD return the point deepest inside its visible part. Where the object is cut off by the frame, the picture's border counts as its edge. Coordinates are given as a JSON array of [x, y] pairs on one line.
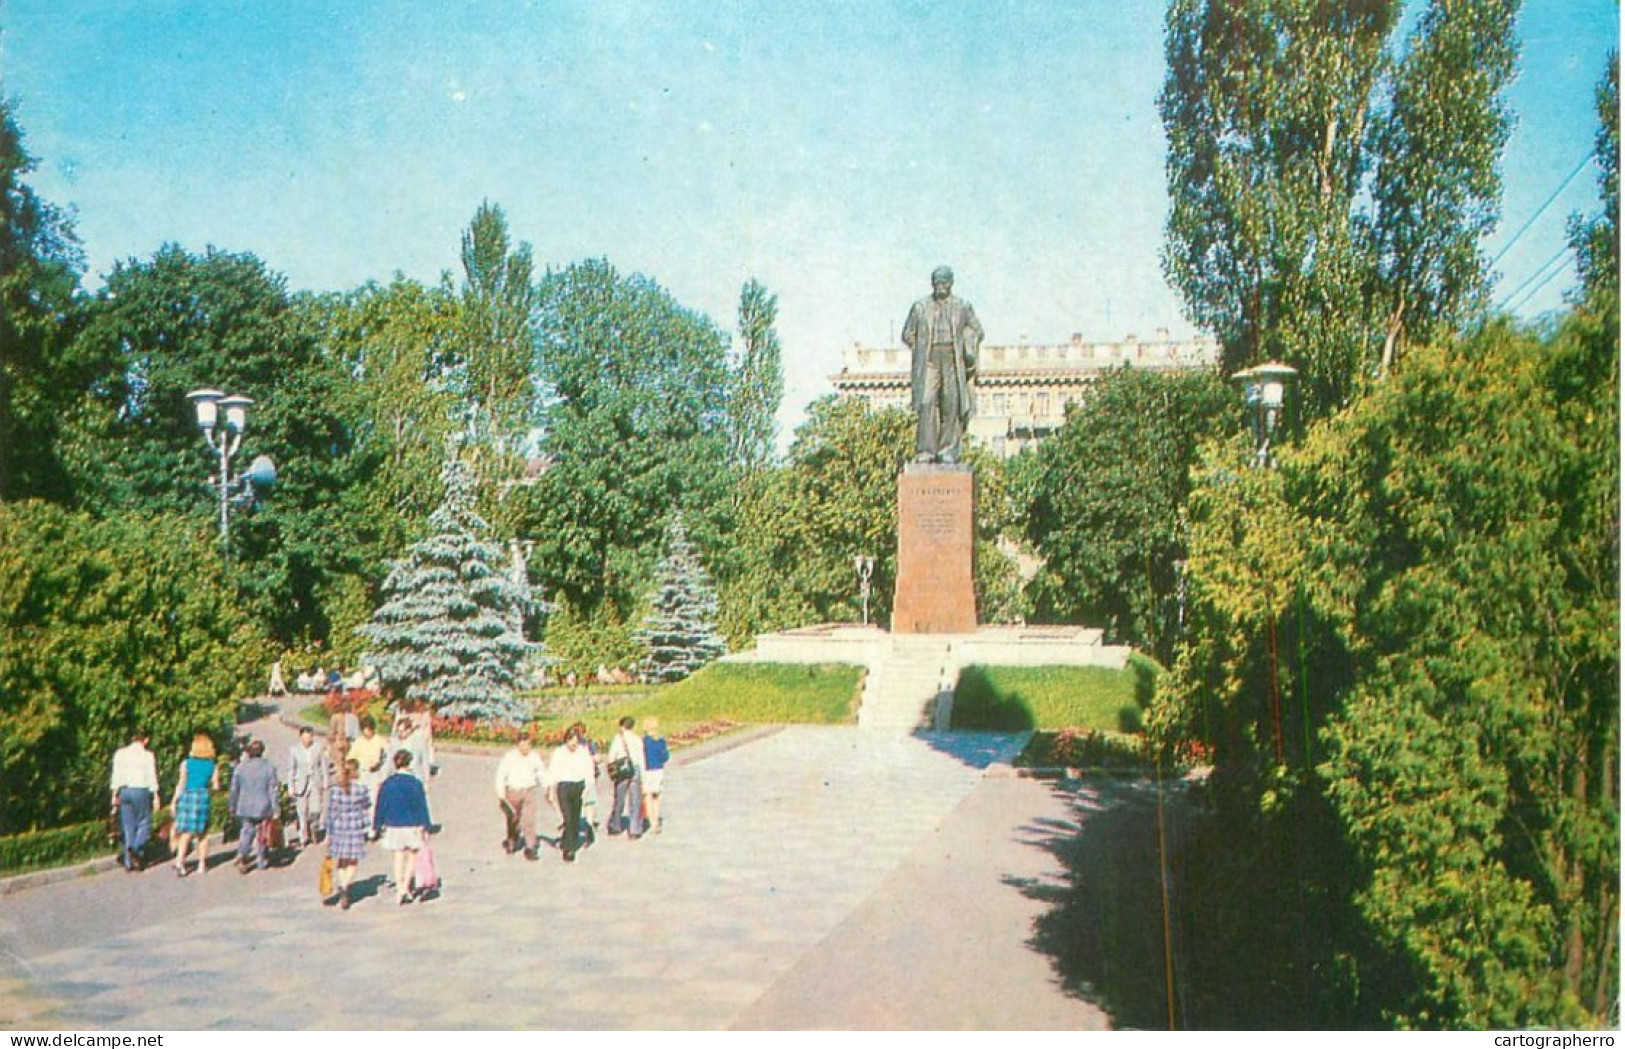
[[1535, 276], [1541, 210], [1548, 279]]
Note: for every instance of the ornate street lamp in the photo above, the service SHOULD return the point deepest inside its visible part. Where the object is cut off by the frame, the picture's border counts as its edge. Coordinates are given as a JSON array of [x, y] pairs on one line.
[[1265, 388], [864, 565], [224, 442]]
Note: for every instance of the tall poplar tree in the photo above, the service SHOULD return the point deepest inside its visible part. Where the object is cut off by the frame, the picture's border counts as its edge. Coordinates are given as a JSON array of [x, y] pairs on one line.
[[498, 345], [758, 381], [1329, 197]]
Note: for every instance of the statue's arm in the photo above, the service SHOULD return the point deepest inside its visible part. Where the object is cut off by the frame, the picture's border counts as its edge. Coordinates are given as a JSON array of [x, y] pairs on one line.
[[911, 327], [973, 337]]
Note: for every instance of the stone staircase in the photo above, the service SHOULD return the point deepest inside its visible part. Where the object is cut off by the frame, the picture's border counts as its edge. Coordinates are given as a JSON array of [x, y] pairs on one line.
[[910, 685]]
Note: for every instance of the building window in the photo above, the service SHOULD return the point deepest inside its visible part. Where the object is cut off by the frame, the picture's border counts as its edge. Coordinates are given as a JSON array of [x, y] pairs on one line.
[[1043, 405]]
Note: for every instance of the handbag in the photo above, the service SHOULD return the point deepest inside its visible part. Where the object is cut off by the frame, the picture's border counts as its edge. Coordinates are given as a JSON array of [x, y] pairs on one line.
[[620, 770], [324, 877], [424, 874]]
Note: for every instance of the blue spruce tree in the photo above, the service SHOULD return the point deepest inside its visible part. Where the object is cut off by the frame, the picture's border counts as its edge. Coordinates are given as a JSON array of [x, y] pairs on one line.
[[680, 630], [450, 628]]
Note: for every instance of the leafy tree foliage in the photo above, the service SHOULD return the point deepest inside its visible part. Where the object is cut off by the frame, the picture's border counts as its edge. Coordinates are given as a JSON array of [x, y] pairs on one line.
[[1328, 200], [758, 381], [446, 632], [801, 527], [494, 360], [1105, 499], [1414, 621], [1596, 242], [580, 643], [634, 430], [40, 263], [104, 626], [178, 322], [680, 629], [392, 343], [1437, 187]]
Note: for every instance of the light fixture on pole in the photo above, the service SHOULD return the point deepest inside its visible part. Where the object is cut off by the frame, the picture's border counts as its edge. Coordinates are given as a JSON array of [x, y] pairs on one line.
[[224, 442], [1264, 389], [864, 565]]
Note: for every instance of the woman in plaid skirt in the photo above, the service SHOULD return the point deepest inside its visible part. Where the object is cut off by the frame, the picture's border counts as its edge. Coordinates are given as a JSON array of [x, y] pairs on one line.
[[199, 775], [349, 815]]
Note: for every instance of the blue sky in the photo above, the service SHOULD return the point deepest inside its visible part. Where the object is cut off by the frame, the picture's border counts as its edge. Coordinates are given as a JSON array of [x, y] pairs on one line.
[[837, 151]]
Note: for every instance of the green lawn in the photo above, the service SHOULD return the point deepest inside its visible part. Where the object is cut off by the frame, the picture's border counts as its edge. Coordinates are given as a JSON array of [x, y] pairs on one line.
[[741, 693], [1013, 699]]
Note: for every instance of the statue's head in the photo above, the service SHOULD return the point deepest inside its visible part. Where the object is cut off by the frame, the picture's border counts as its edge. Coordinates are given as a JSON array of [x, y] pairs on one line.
[[942, 281]]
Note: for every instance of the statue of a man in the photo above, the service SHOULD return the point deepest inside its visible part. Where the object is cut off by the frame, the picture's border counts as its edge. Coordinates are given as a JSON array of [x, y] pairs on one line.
[[943, 335]]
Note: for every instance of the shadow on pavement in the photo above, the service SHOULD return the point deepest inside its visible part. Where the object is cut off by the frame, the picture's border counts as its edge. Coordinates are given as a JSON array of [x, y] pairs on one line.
[[976, 749], [1103, 930]]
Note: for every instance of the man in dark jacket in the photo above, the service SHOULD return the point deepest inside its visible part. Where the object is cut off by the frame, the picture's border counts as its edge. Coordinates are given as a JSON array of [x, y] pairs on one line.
[[253, 801]]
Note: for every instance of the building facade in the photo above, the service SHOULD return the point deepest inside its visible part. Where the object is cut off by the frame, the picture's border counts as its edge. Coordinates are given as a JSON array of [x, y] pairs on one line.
[[1022, 391]]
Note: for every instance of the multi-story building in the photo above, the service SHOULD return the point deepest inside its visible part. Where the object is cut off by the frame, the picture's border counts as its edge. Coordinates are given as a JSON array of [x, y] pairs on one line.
[[1022, 390]]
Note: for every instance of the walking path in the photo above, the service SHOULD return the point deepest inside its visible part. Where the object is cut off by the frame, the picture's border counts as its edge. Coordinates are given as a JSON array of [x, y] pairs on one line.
[[811, 878]]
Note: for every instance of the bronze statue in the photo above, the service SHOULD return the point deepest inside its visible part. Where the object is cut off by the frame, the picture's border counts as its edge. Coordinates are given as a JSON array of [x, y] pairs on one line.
[[943, 335]]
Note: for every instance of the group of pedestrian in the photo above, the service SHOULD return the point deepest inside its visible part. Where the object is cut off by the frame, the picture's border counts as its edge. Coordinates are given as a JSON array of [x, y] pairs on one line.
[[569, 780], [352, 791]]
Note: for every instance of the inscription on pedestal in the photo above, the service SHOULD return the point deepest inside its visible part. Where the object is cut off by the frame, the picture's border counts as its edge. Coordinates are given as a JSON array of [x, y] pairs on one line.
[[936, 522]]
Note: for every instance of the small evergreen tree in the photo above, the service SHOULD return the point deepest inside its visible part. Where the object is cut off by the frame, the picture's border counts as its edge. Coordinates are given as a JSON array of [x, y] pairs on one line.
[[680, 630], [446, 632]]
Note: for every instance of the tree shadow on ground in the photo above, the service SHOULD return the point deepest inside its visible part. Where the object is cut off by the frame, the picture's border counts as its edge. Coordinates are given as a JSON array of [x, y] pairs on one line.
[[1104, 930], [1248, 943]]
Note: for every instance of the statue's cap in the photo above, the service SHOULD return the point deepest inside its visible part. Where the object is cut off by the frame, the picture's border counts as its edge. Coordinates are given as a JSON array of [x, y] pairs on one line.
[[942, 273]]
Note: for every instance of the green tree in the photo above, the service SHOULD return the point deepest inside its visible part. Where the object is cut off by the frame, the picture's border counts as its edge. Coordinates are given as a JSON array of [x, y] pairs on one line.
[[579, 644], [1596, 241], [178, 322], [1405, 654], [1437, 185], [106, 625], [446, 631], [1266, 107], [1105, 500], [1328, 200], [393, 344], [494, 363], [679, 631], [40, 263], [634, 430], [799, 530], [758, 381]]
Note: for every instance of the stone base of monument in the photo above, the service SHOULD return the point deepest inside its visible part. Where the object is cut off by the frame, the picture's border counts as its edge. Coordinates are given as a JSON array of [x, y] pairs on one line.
[[936, 546]]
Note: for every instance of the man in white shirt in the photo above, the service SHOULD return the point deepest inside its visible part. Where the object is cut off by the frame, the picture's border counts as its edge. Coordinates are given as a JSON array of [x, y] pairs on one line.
[[134, 785], [568, 774], [520, 774]]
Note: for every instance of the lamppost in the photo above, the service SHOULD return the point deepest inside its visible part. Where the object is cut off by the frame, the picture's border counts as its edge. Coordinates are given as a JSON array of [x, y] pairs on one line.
[[864, 565], [1264, 388], [224, 441]]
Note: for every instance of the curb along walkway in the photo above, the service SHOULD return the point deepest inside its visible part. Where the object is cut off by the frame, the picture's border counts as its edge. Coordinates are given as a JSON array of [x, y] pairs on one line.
[[770, 848]]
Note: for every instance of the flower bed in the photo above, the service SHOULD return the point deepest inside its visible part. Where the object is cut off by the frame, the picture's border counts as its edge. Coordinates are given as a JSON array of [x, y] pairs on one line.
[[488, 733], [1073, 748]]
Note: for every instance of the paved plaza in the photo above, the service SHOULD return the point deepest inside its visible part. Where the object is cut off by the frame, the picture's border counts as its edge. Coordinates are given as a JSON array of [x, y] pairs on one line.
[[807, 878]]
